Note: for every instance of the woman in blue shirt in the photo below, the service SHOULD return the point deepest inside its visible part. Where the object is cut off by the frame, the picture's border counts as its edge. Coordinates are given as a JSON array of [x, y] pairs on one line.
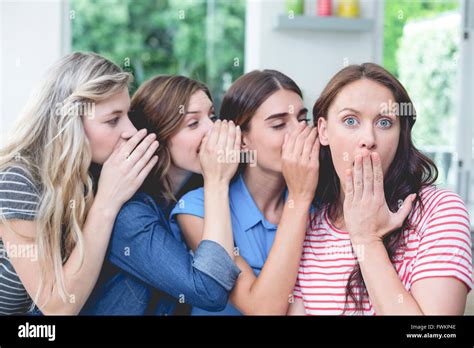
[[149, 270], [270, 199]]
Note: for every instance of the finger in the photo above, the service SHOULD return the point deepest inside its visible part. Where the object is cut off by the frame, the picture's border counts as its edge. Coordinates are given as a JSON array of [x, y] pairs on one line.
[[285, 141], [214, 135], [221, 142], [309, 144], [357, 176], [292, 138], [230, 136], [146, 170], [349, 189], [120, 142], [378, 175], [367, 174], [132, 143], [141, 148], [405, 209], [204, 142], [300, 140], [145, 158], [238, 139]]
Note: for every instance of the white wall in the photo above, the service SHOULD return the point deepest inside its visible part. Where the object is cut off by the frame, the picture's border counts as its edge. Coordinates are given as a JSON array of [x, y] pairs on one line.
[[32, 37], [310, 57]]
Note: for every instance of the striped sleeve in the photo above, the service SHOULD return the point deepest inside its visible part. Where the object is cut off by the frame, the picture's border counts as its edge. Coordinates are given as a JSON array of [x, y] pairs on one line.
[[19, 197], [445, 244]]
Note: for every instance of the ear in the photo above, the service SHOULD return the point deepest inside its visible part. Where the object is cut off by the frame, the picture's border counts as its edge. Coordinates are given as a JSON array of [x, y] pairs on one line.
[[322, 131], [244, 145]]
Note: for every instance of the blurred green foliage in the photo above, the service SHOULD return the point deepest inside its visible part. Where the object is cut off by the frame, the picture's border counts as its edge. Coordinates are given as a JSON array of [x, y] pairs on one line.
[[397, 13], [201, 39]]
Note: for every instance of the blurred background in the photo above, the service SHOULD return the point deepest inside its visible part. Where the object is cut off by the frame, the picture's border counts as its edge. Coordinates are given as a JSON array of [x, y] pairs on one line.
[[427, 44]]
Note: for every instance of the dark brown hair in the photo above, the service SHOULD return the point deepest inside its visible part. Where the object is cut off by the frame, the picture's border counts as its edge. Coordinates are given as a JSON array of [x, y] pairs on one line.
[[160, 105], [409, 172], [250, 91]]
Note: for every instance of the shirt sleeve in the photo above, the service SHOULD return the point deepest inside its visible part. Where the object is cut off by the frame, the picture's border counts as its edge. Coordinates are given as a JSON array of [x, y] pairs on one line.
[[445, 248], [19, 197], [143, 246], [192, 203]]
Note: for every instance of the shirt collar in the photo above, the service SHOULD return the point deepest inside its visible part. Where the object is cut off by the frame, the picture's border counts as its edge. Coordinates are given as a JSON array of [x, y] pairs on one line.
[[246, 209]]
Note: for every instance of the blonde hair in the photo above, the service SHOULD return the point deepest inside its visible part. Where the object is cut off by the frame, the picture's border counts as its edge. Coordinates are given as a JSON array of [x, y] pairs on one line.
[[49, 142]]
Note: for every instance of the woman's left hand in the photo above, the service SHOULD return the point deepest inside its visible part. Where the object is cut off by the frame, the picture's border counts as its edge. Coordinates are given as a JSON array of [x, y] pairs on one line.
[[367, 216]]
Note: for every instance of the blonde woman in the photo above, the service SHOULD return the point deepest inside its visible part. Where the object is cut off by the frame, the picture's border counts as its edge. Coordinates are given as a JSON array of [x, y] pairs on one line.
[[56, 220]]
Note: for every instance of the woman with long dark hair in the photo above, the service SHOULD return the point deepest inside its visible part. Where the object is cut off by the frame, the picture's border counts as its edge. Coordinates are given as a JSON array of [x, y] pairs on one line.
[[384, 239]]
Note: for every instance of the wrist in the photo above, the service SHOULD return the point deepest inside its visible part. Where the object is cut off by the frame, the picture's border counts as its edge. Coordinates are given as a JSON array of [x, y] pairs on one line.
[[216, 183], [105, 208], [300, 200]]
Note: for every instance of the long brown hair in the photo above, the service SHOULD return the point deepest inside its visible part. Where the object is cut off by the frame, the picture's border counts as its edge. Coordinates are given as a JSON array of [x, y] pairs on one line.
[[160, 105], [409, 172], [248, 93]]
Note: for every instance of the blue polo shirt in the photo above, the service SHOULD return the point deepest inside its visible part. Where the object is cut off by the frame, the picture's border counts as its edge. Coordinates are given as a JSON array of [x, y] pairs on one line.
[[253, 234]]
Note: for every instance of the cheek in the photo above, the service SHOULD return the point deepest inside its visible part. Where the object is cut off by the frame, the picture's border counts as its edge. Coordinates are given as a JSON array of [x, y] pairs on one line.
[[342, 152], [102, 140], [268, 146], [184, 146], [387, 149]]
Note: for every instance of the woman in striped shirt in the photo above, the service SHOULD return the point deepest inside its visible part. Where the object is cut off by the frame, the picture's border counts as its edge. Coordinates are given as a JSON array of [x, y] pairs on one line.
[[384, 240], [54, 230]]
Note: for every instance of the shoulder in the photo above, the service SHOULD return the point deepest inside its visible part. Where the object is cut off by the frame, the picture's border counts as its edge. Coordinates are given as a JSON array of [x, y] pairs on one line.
[[441, 222], [191, 203], [19, 194], [440, 208]]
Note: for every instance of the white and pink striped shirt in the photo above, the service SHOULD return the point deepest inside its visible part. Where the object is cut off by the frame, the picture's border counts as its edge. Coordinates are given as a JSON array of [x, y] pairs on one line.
[[439, 245]]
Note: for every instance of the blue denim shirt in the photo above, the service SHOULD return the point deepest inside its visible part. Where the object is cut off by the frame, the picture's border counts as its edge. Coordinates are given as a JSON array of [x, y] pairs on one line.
[[144, 257]]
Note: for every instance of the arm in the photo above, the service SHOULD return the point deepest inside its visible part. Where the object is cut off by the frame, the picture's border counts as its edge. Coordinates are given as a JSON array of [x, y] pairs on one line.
[[296, 308], [143, 246], [368, 219], [434, 296], [79, 279], [224, 137], [269, 293]]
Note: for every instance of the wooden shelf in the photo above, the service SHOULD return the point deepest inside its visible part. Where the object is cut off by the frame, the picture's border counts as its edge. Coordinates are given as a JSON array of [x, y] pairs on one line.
[[324, 23]]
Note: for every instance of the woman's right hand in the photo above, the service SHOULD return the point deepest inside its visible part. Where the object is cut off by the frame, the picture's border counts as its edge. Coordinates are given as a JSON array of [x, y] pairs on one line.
[[300, 162], [220, 152], [127, 168]]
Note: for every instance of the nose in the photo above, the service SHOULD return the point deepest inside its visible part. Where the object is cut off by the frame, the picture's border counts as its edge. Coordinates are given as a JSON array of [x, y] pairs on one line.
[[292, 125], [128, 127], [206, 125], [367, 139]]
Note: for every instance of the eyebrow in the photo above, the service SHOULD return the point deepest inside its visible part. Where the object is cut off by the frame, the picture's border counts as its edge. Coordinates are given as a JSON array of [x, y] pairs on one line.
[[349, 109], [284, 114], [115, 113], [197, 112]]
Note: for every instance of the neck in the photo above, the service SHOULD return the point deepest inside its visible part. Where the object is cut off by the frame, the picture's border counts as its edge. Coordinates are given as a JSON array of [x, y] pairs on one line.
[[178, 177], [266, 189]]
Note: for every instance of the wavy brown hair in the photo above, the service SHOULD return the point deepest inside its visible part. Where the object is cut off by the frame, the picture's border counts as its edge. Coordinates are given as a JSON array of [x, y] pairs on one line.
[[409, 172], [160, 105]]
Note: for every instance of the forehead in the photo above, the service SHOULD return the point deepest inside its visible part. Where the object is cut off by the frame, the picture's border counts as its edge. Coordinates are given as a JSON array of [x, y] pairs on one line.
[[363, 95], [119, 101], [280, 102], [199, 100]]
